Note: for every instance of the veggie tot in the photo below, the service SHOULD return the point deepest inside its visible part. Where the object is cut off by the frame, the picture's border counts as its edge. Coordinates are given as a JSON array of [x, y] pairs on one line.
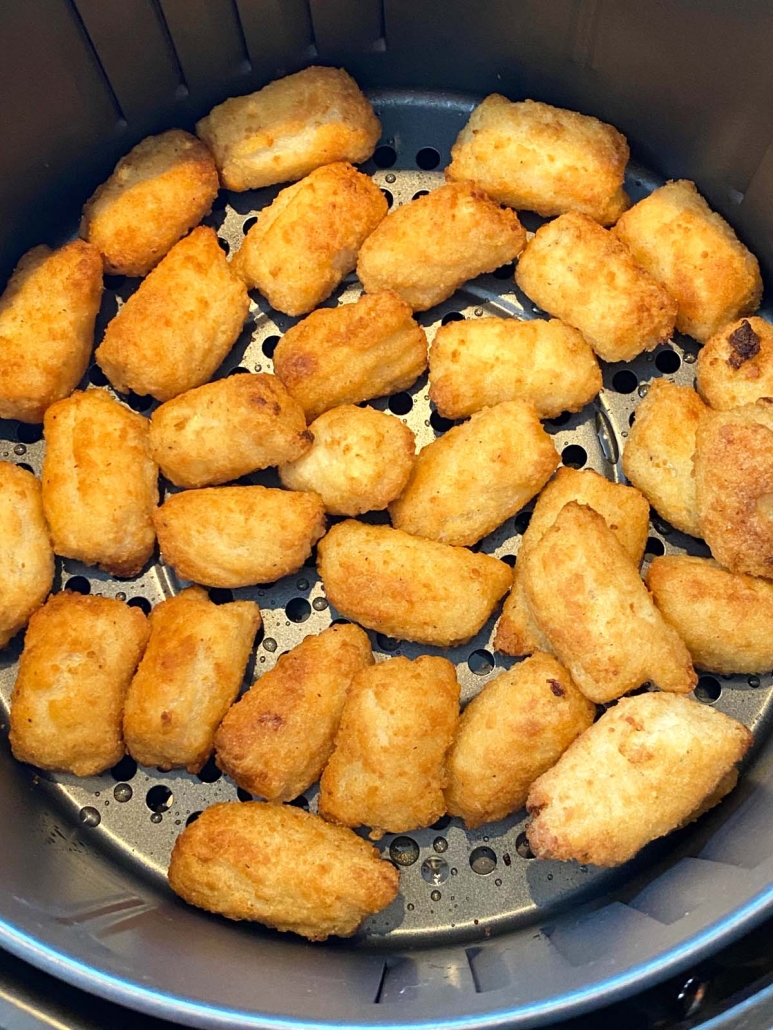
[[290, 127], [516, 728], [409, 588], [26, 557], [100, 484], [388, 768], [351, 353], [675, 235], [238, 536], [535, 157], [427, 248], [226, 429], [734, 487], [79, 656], [174, 332], [623, 509], [469, 481], [723, 617], [308, 239], [735, 367], [188, 678], [476, 364], [649, 765], [621, 312], [360, 460], [658, 456], [47, 315], [157, 193], [282, 867], [276, 740], [586, 597]]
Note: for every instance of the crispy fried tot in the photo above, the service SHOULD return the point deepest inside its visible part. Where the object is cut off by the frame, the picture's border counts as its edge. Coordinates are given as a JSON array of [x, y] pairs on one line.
[[512, 732], [734, 487], [426, 249], [723, 617], [79, 656], [100, 484], [490, 360], [190, 674], [407, 587], [280, 866], [583, 274], [586, 597], [623, 509], [224, 430], [303, 245], [735, 367], [47, 315], [469, 481], [658, 456], [645, 768], [388, 769], [278, 737], [157, 193], [290, 127], [26, 557], [351, 353], [675, 235], [172, 334], [535, 157], [237, 536], [360, 460]]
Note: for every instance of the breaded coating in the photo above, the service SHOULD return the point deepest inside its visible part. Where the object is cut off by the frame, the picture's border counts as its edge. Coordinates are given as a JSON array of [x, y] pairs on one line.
[[535, 157], [586, 597], [735, 367], [725, 618], [157, 193], [226, 429], [80, 653], [583, 274], [734, 487], [623, 509], [238, 536], [280, 866], [658, 455], [646, 767], [303, 245], [675, 235], [351, 353], [426, 249], [26, 557], [516, 729], [100, 484], [388, 769], [188, 678], [477, 363], [47, 315], [290, 127], [360, 460], [409, 588], [278, 737], [173, 333], [470, 480]]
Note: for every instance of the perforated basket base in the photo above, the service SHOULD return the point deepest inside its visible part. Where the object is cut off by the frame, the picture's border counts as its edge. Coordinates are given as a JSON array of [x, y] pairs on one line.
[[456, 884]]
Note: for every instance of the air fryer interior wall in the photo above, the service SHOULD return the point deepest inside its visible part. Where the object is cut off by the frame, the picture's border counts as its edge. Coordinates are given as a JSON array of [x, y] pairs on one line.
[[84, 82]]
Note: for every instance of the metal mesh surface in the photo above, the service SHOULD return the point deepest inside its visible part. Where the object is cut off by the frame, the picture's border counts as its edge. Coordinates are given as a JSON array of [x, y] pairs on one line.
[[456, 884]]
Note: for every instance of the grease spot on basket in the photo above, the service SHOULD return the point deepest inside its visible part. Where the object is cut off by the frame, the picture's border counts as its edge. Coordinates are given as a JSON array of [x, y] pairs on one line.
[[404, 851], [89, 816]]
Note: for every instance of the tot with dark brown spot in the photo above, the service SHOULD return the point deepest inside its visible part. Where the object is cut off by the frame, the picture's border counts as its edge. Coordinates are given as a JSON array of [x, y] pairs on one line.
[[735, 367], [388, 769], [276, 740], [280, 866]]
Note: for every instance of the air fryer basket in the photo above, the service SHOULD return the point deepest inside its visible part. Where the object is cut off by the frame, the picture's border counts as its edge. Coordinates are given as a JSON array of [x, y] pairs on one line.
[[481, 935]]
